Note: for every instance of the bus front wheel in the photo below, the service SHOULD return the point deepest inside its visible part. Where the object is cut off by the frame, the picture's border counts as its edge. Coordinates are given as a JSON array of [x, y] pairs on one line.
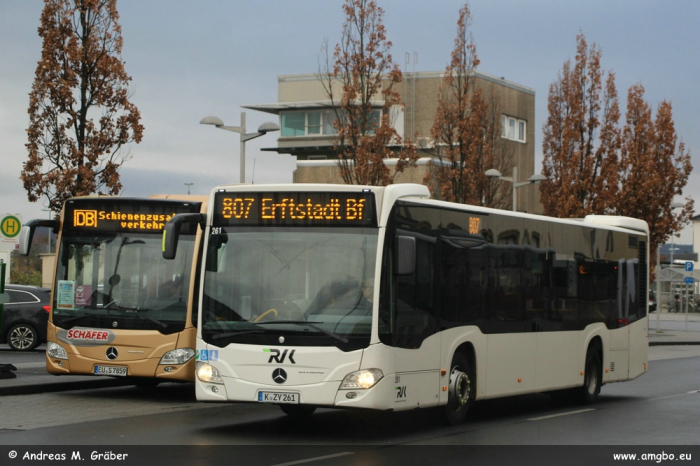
[[461, 389], [591, 377]]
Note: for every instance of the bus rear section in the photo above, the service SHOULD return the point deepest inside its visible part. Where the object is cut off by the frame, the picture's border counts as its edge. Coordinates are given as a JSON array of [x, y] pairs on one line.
[[118, 309]]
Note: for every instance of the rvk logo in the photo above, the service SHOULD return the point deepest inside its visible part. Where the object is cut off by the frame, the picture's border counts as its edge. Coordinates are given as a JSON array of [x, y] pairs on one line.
[[279, 359], [401, 392], [85, 218]]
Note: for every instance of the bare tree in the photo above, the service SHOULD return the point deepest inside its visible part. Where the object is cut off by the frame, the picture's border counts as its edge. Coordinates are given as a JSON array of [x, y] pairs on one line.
[[79, 109]]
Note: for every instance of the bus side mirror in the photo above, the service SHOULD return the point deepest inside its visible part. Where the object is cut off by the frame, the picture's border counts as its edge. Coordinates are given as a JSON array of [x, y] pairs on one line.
[[216, 242], [405, 254], [26, 234], [171, 232]]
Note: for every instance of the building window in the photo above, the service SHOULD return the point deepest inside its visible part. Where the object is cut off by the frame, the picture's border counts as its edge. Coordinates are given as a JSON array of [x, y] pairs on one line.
[[513, 128], [313, 122], [316, 122], [308, 123], [293, 124]]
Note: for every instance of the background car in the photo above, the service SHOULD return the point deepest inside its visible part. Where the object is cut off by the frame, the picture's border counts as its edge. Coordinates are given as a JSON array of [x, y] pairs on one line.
[[25, 315]]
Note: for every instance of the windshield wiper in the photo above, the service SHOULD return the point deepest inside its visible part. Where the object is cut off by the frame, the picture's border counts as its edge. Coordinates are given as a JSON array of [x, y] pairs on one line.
[[219, 336], [155, 321], [308, 324], [71, 319]]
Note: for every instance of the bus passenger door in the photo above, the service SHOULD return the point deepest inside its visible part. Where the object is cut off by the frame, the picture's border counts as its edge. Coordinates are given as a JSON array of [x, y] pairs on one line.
[[413, 325]]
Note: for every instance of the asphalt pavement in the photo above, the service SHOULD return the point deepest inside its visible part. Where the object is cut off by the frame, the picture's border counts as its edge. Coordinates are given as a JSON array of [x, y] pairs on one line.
[[31, 376]]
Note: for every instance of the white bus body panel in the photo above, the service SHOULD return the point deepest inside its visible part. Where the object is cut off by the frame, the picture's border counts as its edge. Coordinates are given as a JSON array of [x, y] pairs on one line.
[[639, 348], [558, 358], [313, 372]]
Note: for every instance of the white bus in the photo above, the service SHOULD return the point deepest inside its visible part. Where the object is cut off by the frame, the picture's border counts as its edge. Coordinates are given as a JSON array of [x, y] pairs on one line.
[[379, 297]]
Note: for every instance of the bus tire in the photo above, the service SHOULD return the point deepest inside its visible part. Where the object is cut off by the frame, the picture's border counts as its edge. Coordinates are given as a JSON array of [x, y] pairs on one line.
[[462, 386], [592, 377], [297, 411], [22, 337]]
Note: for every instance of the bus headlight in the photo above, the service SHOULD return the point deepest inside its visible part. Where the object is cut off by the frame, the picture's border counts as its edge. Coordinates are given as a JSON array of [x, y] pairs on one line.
[[177, 356], [363, 379], [208, 373], [56, 351]]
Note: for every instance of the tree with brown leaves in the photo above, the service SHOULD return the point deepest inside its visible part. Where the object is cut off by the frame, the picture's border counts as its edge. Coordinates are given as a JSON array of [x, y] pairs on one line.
[[581, 138], [363, 69], [654, 168], [593, 167], [467, 132], [81, 74]]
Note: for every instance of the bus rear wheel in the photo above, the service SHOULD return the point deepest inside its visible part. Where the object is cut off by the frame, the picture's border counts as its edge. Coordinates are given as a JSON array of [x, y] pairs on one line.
[[591, 377], [297, 411], [461, 389]]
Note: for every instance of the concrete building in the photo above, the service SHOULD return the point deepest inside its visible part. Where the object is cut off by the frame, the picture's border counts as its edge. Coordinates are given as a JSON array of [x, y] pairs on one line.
[[307, 132]]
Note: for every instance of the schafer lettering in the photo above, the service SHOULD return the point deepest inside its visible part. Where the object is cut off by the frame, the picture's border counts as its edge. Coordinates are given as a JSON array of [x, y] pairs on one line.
[[81, 334]]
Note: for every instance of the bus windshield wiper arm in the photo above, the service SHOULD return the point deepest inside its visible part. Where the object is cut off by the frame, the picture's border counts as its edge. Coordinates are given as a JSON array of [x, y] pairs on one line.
[[308, 324], [219, 336], [71, 319], [155, 321]]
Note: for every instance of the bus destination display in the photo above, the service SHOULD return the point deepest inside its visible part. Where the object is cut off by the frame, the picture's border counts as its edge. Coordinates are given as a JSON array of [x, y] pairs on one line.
[[295, 209], [123, 215]]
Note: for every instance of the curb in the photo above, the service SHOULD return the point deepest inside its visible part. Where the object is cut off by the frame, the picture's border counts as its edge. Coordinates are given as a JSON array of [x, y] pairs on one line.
[[33, 389]]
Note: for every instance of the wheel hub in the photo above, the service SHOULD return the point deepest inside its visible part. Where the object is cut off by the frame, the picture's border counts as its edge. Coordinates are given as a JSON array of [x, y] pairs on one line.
[[21, 337], [460, 387]]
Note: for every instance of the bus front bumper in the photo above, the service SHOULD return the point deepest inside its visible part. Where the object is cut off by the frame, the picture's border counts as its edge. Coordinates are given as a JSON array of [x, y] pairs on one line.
[[380, 397]]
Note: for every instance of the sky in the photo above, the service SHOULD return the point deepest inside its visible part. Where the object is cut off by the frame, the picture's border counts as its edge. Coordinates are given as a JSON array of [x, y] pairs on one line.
[[191, 59]]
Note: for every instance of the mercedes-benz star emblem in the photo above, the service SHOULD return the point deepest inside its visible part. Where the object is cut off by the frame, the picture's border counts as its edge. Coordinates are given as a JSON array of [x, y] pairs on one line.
[[112, 353], [279, 376]]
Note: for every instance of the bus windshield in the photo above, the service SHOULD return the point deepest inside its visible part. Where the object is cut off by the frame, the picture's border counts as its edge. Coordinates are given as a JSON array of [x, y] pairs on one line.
[[120, 281], [308, 286]]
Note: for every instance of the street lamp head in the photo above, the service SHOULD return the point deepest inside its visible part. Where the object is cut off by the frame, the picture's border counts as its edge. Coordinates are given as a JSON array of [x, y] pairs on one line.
[[268, 127], [211, 120], [536, 178], [493, 173]]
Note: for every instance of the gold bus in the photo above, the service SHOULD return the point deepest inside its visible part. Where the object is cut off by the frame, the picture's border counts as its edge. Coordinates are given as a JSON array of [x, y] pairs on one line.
[[117, 307]]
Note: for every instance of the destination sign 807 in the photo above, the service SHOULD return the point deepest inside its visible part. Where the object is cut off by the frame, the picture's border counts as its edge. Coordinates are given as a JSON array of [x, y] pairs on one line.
[[295, 209]]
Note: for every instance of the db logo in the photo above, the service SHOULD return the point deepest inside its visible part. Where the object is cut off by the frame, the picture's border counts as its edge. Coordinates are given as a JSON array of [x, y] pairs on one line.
[[85, 218]]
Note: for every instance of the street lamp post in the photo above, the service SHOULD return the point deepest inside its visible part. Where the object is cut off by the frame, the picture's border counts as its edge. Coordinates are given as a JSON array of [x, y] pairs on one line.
[[188, 187], [263, 129], [536, 178], [675, 205], [48, 233]]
